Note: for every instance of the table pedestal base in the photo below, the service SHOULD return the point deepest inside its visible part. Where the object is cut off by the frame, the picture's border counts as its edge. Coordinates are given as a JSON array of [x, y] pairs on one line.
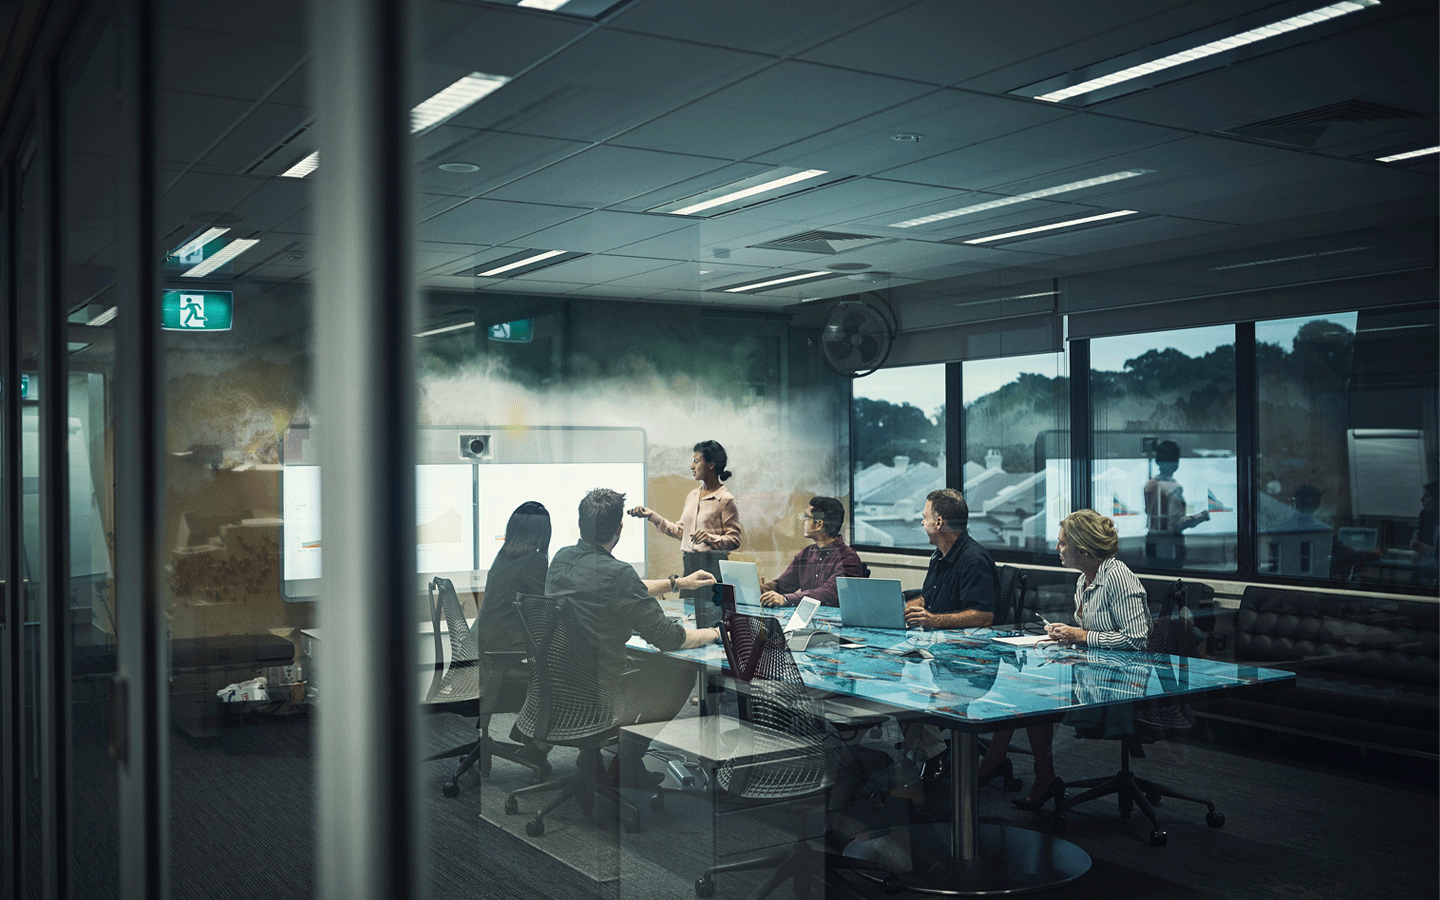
[[1010, 860]]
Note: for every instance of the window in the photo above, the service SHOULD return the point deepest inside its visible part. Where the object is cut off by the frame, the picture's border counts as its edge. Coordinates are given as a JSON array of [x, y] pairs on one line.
[[1346, 444], [1018, 489], [1164, 446], [898, 452]]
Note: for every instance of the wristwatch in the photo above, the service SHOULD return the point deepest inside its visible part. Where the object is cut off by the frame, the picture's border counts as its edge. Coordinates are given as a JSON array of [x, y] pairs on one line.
[[674, 583]]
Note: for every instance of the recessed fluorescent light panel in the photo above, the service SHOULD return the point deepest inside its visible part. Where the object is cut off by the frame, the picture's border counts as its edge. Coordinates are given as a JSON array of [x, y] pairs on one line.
[[303, 167], [740, 193], [773, 282], [104, 318], [428, 113], [446, 329], [1280, 259], [221, 257], [195, 244], [459, 96], [1021, 198], [1411, 155], [1152, 61], [1052, 226], [525, 262], [580, 9]]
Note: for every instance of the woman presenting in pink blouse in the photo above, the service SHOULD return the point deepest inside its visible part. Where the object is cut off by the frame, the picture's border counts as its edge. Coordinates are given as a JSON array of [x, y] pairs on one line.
[[709, 526]]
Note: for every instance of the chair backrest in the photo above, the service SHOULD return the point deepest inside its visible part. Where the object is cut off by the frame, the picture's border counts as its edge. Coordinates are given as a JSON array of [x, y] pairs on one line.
[[785, 752], [460, 680], [567, 702], [1170, 633], [1010, 605]]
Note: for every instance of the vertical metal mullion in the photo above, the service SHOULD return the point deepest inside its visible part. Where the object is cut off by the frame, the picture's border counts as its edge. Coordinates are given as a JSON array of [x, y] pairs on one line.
[[369, 826], [1082, 426], [55, 731], [1247, 424], [140, 700], [954, 427], [12, 654]]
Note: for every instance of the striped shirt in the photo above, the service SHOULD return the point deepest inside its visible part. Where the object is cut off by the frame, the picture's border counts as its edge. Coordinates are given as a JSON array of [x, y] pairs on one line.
[[1113, 609]]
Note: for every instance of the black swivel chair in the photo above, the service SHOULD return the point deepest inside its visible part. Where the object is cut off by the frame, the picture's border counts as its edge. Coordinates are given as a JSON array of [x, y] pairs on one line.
[[1170, 633], [786, 754], [1012, 596], [568, 704], [473, 685]]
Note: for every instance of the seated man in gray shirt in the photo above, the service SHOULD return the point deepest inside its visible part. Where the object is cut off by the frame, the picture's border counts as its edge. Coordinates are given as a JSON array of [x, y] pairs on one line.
[[611, 602]]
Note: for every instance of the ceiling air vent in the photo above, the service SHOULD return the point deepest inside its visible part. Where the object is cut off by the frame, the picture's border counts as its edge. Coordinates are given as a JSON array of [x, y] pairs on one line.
[[1305, 129], [822, 242]]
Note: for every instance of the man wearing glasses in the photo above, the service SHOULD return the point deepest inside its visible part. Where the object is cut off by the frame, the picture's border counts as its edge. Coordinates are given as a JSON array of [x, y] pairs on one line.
[[813, 571]]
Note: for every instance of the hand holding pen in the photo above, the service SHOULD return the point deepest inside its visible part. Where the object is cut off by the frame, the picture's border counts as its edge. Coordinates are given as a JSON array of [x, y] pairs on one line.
[[1058, 632]]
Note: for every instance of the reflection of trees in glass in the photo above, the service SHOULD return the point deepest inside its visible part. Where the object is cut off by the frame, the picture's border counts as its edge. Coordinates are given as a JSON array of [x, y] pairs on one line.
[[1305, 407], [882, 430], [1008, 418], [1168, 389]]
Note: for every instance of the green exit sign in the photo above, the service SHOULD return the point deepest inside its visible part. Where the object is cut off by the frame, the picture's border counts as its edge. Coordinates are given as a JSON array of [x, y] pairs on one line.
[[197, 310]]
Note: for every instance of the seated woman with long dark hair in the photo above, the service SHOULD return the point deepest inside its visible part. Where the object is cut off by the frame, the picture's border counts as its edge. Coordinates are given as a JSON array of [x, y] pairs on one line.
[[518, 568]]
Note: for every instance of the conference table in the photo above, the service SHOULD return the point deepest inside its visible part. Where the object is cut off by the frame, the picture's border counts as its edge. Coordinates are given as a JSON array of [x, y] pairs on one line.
[[970, 683]]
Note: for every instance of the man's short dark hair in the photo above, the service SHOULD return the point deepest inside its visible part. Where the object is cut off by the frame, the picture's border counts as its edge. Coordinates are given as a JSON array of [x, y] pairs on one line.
[[600, 514], [949, 504], [831, 512], [1167, 451]]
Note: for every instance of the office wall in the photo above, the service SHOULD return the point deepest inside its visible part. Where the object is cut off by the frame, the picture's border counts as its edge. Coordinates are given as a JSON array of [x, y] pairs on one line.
[[754, 383]]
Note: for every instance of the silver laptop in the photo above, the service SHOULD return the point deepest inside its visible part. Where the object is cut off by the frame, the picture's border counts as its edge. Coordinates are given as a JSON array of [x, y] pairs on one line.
[[871, 602], [745, 578]]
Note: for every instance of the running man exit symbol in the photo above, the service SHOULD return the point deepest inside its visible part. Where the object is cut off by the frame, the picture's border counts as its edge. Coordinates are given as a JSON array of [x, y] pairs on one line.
[[192, 310]]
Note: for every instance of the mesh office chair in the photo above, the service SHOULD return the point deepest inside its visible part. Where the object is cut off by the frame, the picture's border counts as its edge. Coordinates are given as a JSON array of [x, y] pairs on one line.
[[567, 704], [473, 685], [787, 755], [1011, 606], [1170, 633]]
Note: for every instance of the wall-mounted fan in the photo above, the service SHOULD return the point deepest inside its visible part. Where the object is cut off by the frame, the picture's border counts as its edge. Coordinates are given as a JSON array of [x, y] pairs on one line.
[[857, 337]]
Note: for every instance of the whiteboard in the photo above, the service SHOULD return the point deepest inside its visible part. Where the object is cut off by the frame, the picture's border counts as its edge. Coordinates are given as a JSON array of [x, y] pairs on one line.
[[1387, 470]]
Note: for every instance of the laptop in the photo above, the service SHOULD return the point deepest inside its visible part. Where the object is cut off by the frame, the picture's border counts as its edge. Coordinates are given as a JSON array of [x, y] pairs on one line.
[[871, 602], [1359, 538], [745, 578]]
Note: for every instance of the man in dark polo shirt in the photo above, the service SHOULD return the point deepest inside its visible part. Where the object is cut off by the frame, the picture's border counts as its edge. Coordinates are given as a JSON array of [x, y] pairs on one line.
[[961, 585], [961, 590], [611, 602]]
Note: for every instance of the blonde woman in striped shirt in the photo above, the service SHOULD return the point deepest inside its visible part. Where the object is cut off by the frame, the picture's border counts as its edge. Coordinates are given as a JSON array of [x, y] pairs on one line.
[[1110, 613]]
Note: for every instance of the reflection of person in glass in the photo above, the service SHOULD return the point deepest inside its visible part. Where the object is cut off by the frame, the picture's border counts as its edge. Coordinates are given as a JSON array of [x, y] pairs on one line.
[[1344, 559], [709, 526], [1110, 613], [1165, 519], [1427, 536], [813, 571]]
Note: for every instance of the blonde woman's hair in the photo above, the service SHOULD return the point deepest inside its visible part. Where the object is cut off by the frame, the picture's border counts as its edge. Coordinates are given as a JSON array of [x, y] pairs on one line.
[[1086, 529]]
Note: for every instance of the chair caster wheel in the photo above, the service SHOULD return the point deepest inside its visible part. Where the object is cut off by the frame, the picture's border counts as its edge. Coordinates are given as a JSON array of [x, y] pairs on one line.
[[877, 800], [1215, 819], [535, 827], [704, 887], [1157, 838], [512, 806], [1154, 797], [630, 821], [450, 789], [657, 802], [892, 883], [1013, 784], [1058, 826]]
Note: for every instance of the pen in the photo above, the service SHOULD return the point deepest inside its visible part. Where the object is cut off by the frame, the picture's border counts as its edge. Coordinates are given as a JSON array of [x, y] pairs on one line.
[[1043, 620]]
